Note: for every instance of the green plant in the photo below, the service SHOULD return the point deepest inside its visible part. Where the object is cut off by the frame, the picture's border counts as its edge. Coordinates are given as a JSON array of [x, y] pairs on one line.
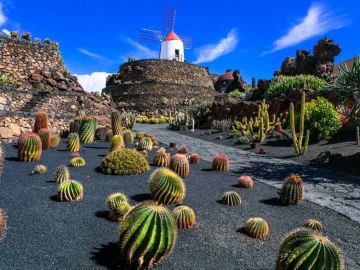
[[245, 181], [180, 164], [305, 249], [2, 224], [87, 129], [222, 125], [231, 198], [124, 162], [145, 143], [5, 80], [70, 190], [77, 162], [147, 236], [54, 141], [73, 144], [62, 174], [166, 186], [292, 191], [128, 137], [237, 93], [184, 217], [40, 169], [257, 227], [116, 123], [195, 158], [129, 119], [285, 84], [221, 162], [313, 224], [161, 158], [117, 143], [300, 149], [45, 137], [29, 147], [41, 121], [118, 206], [180, 121]]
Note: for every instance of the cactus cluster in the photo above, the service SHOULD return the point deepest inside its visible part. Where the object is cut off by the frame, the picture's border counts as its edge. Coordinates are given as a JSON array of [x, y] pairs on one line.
[[180, 164], [73, 143], [70, 190], [45, 137], [145, 143], [166, 186], [2, 224], [118, 206], [221, 162], [117, 143], [40, 169], [116, 123], [195, 158], [307, 249], [29, 147], [292, 191], [184, 217], [161, 158], [148, 236], [77, 162], [128, 137], [245, 181], [62, 174], [257, 227], [313, 224], [41, 121], [231, 198]]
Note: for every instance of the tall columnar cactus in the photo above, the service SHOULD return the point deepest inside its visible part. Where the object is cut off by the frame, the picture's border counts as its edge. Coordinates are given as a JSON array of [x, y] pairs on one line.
[[245, 181], [300, 148], [257, 227], [145, 143], [45, 137], [128, 137], [231, 198], [87, 130], [29, 147], [292, 191], [41, 121], [148, 236], [166, 186], [221, 162], [116, 123], [313, 224], [184, 217], [70, 190], [180, 164], [161, 158], [129, 120], [62, 174], [2, 224], [305, 249], [117, 143], [73, 144], [118, 206], [77, 162]]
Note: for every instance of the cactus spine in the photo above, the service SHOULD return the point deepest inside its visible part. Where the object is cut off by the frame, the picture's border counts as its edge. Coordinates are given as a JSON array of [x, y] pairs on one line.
[[29, 147], [73, 144]]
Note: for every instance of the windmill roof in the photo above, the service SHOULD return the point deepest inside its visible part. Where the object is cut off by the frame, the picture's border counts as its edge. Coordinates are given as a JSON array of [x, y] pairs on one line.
[[171, 36]]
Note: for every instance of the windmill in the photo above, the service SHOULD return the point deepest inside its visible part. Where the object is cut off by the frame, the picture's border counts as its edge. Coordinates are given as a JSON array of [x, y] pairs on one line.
[[172, 45]]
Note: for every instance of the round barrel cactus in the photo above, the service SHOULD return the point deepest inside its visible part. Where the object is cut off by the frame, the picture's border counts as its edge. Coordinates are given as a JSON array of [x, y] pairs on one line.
[[2, 224], [245, 181], [313, 224], [128, 137], [117, 143], [166, 186], [195, 158], [40, 169], [161, 158], [54, 141], [147, 236], [45, 137], [109, 135], [118, 206], [183, 150], [231, 198], [292, 191], [87, 130], [145, 143], [77, 162], [257, 227], [29, 147], [184, 217], [70, 190], [180, 164], [116, 123], [221, 162], [305, 249], [62, 174], [73, 144]]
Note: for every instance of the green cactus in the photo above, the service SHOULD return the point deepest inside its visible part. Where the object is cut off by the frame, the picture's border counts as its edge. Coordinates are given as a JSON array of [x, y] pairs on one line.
[[70, 190], [145, 143], [73, 144], [40, 169], [166, 186], [221, 162], [300, 149], [292, 191], [76, 124], [180, 164], [81, 112], [128, 137], [129, 120], [161, 158], [62, 174], [184, 217], [87, 129], [41, 121], [118, 206], [77, 162], [313, 224], [257, 227], [231, 198], [117, 143], [45, 137], [29, 147], [305, 249], [116, 123], [147, 236]]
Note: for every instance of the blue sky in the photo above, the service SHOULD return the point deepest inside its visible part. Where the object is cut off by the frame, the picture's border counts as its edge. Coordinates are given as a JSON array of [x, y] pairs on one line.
[[253, 36]]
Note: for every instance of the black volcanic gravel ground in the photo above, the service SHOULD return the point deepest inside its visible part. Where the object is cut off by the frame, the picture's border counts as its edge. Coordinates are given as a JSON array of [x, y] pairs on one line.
[[46, 234]]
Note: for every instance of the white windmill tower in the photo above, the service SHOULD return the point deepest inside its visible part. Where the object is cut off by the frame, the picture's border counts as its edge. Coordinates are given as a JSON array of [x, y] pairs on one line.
[[172, 45]]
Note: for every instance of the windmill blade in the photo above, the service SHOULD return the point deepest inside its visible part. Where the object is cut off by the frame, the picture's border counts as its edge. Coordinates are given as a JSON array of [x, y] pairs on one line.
[[168, 20], [147, 34], [187, 42]]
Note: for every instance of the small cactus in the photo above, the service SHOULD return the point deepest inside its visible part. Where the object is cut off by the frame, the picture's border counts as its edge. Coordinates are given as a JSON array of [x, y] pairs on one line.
[[257, 227], [77, 162], [41, 121], [231, 198], [221, 162], [148, 236], [109, 135], [307, 249], [116, 123], [161, 158], [73, 144], [128, 137], [29, 147], [184, 217], [54, 141], [118, 206], [117, 143], [2, 224], [180, 164], [40, 169], [145, 143], [195, 158], [166, 186], [313, 224], [245, 181], [62, 174], [45, 136], [292, 191], [183, 150], [70, 190], [87, 129]]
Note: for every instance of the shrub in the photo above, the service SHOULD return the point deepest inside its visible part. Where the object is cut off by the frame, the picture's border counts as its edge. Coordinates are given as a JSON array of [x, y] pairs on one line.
[[231, 198], [257, 227], [62, 174], [292, 191], [70, 190], [29, 147], [180, 164], [285, 84], [184, 217], [237, 93], [124, 162]]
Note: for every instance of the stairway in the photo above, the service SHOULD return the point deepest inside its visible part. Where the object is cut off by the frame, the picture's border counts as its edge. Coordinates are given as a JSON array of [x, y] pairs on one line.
[[35, 102]]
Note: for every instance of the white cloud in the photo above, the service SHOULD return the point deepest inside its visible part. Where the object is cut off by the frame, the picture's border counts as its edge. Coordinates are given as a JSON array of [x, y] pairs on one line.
[[3, 18], [93, 55], [140, 52], [93, 82], [318, 21], [210, 52], [5, 31]]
